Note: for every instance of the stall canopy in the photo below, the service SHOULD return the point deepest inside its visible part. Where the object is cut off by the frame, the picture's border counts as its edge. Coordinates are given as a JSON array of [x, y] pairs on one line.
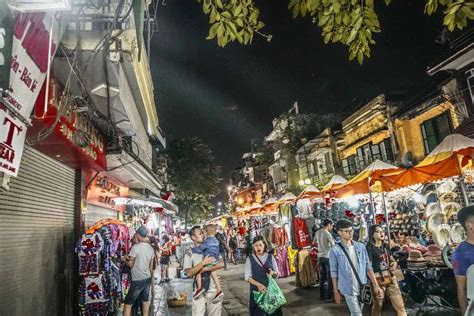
[[288, 197], [309, 192], [335, 182], [445, 161], [366, 181]]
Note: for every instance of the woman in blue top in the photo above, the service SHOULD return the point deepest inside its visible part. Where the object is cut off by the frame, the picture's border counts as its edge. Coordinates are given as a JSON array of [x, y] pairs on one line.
[[256, 275]]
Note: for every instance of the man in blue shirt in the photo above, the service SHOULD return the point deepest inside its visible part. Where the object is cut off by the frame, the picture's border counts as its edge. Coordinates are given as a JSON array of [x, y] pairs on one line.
[[463, 256], [343, 278]]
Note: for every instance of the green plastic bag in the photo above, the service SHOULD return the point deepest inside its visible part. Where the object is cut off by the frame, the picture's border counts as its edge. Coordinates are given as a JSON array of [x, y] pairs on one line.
[[272, 299]]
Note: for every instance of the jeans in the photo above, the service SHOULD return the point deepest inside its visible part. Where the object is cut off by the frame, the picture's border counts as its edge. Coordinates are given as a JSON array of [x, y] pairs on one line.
[[224, 257], [354, 305], [325, 276]]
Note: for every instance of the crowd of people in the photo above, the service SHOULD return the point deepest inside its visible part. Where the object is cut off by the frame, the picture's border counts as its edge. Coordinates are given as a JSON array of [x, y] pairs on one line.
[[347, 268]]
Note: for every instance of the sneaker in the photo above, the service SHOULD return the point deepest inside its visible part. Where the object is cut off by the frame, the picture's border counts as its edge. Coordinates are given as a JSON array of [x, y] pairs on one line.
[[198, 292], [218, 298]]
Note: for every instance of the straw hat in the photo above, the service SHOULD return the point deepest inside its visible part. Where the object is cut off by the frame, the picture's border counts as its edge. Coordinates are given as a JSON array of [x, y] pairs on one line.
[[457, 233], [433, 251], [451, 208], [441, 236], [434, 221], [431, 197], [448, 197], [432, 208], [416, 261], [446, 187]]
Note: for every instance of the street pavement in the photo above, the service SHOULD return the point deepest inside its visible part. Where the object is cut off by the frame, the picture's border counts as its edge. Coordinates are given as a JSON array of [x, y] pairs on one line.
[[236, 294]]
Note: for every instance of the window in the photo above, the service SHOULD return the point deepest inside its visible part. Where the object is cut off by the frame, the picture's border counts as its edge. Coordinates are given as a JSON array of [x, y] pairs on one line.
[[434, 131], [328, 160], [360, 158], [349, 165], [376, 152], [386, 149]]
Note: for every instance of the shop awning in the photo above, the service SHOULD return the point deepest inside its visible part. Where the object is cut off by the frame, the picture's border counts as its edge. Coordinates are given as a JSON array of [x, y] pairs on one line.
[[419, 175], [132, 172], [367, 180], [310, 192], [168, 207], [453, 144], [335, 182]]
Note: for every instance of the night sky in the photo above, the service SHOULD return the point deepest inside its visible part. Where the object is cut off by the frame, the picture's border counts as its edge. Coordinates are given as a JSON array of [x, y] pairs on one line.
[[228, 96]]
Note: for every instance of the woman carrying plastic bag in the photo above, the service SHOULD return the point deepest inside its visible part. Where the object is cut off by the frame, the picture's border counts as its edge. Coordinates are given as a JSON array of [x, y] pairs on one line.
[[260, 269]]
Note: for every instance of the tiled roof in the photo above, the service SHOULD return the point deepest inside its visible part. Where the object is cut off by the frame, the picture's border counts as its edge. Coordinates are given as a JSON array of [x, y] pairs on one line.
[[466, 128]]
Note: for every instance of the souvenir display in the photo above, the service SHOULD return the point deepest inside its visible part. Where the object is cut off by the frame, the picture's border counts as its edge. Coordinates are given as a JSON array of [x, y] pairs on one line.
[[100, 251]]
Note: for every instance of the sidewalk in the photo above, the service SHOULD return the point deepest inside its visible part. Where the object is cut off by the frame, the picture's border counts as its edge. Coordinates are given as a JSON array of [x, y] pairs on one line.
[[160, 305]]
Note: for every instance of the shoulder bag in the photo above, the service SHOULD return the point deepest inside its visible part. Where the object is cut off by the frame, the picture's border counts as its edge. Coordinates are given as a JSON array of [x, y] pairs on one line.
[[365, 293]]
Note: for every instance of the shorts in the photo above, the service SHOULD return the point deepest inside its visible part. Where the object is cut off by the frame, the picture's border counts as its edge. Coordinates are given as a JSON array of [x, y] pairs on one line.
[[139, 290], [165, 260]]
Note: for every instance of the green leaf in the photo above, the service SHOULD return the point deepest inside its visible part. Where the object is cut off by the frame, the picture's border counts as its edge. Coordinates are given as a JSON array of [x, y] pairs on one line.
[[219, 4], [236, 11], [213, 31], [336, 6], [303, 8], [296, 10], [212, 17], [327, 38], [239, 22], [292, 3], [387, 2], [226, 14], [360, 57], [220, 30]]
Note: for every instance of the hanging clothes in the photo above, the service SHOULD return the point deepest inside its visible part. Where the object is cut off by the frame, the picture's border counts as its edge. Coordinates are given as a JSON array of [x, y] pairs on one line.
[[301, 233], [305, 208], [89, 250], [280, 237], [305, 270], [284, 210], [281, 257], [292, 253]]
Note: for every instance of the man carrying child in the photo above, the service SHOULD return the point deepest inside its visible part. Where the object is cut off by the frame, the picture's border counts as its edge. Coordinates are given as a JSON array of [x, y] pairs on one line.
[[203, 263]]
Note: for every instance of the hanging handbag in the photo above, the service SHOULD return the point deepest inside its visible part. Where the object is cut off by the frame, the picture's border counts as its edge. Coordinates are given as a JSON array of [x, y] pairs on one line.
[[365, 293]]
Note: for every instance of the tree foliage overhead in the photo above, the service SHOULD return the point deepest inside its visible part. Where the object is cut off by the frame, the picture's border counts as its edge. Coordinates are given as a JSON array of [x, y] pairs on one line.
[[349, 22], [194, 175]]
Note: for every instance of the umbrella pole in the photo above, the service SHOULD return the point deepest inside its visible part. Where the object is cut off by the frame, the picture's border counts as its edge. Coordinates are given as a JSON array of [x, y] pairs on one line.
[[463, 184], [372, 213], [387, 222]]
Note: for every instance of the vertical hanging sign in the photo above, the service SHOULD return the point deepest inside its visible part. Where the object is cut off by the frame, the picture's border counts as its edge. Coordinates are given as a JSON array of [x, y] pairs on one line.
[[36, 36], [6, 29]]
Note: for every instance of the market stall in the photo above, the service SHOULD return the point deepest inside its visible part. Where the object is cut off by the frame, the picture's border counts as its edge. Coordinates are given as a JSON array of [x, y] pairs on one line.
[[100, 250]]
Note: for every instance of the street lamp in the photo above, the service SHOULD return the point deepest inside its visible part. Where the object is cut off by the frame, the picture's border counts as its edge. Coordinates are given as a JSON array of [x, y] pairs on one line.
[[219, 203]]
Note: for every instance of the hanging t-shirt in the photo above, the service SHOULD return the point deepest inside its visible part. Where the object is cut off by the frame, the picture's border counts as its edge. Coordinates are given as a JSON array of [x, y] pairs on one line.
[[301, 232], [292, 253], [280, 238], [305, 208], [94, 290], [88, 250]]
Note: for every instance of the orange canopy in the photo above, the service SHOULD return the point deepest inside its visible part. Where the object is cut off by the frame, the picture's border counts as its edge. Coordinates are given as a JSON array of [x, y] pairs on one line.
[[422, 174], [367, 180]]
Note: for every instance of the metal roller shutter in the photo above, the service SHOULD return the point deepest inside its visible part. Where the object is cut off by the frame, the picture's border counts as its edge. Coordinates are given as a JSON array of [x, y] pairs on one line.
[[37, 238]]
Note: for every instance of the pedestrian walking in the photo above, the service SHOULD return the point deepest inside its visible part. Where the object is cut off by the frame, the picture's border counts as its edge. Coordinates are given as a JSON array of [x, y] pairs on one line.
[[383, 264], [195, 263], [256, 267], [140, 260], [231, 245], [463, 257], [325, 242], [350, 267], [165, 259], [222, 245]]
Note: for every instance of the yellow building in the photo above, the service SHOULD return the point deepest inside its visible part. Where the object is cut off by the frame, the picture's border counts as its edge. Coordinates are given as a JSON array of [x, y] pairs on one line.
[[367, 136], [422, 123]]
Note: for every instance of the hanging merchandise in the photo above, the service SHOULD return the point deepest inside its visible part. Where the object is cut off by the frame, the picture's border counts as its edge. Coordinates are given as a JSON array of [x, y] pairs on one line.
[[292, 253], [305, 269], [305, 208], [301, 233], [100, 252]]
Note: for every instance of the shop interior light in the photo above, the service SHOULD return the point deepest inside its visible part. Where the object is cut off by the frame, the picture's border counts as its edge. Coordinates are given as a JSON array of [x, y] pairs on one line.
[[229, 188], [353, 202], [307, 181], [162, 223], [301, 182]]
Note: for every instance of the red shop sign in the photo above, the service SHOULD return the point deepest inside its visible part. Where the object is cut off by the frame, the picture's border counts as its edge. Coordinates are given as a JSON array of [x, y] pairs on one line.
[[73, 140], [104, 190]]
